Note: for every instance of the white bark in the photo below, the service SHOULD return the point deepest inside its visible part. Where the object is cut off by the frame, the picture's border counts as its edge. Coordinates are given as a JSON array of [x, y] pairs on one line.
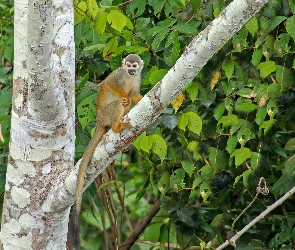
[[41, 176], [36, 208]]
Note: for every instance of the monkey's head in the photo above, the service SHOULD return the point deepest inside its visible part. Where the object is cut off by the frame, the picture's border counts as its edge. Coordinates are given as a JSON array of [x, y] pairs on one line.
[[132, 64]]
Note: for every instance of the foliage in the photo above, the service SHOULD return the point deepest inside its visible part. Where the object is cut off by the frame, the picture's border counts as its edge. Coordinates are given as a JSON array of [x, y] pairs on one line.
[[6, 58]]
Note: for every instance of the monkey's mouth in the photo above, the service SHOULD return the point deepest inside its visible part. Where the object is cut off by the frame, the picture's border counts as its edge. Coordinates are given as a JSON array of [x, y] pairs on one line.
[[132, 72]]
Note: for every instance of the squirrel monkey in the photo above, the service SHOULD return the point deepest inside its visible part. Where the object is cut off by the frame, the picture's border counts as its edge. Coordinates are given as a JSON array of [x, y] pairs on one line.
[[117, 94]]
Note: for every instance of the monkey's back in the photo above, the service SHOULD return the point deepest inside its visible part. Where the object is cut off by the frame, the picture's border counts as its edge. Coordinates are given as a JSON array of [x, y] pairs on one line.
[[109, 106]]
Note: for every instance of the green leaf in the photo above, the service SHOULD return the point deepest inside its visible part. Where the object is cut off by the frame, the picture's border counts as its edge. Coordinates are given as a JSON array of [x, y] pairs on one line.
[[256, 57], [240, 40], [85, 111], [159, 146], [146, 78], [246, 106], [176, 179], [174, 44], [260, 115], [266, 68], [219, 110], [290, 24], [94, 218], [292, 6], [164, 182], [231, 144], [117, 19], [207, 172], [80, 12], [272, 108], [140, 6], [183, 121], [82, 82], [136, 143], [157, 75], [246, 133], [268, 47], [217, 158], [241, 155], [285, 77], [269, 25], [194, 123], [247, 180], [246, 92], [158, 39], [228, 121], [195, 4], [193, 90], [101, 21], [146, 143], [255, 160], [290, 145], [92, 8], [281, 44], [267, 125], [274, 91], [111, 46], [188, 166], [94, 47], [193, 147], [283, 185], [252, 25], [152, 232], [187, 28], [228, 68]]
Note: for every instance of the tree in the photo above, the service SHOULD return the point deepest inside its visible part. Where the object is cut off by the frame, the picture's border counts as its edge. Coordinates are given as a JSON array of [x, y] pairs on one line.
[[178, 77]]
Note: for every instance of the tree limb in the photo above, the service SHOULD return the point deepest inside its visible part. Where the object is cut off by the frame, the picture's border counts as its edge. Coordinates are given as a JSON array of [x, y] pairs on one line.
[[141, 226]]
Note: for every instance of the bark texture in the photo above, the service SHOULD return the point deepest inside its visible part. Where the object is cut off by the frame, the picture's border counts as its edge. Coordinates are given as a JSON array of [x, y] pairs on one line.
[[36, 207]]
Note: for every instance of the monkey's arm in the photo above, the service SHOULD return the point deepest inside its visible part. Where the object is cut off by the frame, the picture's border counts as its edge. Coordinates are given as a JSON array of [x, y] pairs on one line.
[[118, 91]]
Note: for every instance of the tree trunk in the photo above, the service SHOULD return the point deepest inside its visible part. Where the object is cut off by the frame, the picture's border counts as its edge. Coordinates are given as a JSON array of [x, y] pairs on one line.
[[36, 207], [41, 176]]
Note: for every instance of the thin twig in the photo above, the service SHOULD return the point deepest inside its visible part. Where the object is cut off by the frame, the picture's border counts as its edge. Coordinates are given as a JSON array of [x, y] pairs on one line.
[[258, 218], [121, 4], [259, 190]]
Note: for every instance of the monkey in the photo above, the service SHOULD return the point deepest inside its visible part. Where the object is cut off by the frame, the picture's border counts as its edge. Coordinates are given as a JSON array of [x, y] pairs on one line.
[[118, 92]]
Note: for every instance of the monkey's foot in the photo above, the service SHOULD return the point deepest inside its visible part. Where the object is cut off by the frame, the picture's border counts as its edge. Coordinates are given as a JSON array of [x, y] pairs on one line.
[[119, 126]]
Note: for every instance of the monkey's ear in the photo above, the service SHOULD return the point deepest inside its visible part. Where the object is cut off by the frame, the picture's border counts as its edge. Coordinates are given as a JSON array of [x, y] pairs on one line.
[[141, 63], [123, 61]]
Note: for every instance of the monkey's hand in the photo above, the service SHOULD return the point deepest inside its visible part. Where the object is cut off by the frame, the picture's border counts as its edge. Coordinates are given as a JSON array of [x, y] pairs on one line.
[[125, 101]]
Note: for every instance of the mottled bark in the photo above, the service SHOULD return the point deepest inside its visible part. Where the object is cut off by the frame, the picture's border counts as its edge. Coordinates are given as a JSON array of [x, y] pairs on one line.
[[36, 207]]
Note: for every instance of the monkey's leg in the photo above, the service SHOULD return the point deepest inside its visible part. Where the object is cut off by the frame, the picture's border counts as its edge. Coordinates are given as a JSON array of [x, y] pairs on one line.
[[120, 125]]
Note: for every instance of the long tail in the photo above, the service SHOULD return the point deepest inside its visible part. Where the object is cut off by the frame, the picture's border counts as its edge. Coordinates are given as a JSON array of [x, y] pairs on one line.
[[99, 132]]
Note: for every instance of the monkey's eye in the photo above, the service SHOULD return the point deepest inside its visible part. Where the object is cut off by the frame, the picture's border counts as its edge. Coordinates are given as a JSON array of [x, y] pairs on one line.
[[128, 64], [135, 65]]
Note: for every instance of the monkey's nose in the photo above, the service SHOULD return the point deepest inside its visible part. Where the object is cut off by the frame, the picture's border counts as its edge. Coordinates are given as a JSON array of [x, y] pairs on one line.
[[132, 71]]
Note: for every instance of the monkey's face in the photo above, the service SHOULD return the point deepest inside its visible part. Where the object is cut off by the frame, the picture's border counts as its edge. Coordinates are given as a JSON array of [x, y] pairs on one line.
[[133, 64], [132, 68]]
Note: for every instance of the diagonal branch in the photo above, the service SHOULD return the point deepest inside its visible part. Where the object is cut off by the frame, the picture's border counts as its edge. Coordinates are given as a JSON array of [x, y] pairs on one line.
[[196, 55]]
